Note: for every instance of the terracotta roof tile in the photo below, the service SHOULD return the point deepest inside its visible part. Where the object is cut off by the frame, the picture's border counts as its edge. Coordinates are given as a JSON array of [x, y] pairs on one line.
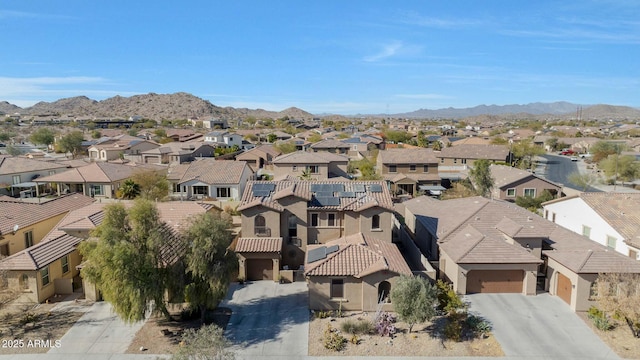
[[98, 172], [490, 152], [408, 156], [304, 157], [210, 171], [17, 165], [258, 245], [506, 175]]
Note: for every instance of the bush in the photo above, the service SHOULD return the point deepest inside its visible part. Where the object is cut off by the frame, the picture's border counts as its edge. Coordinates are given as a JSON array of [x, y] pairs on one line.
[[478, 325], [332, 339], [190, 313], [599, 319], [453, 326], [448, 300], [28, 317], [385, 324], [361, 327], [322, 314]]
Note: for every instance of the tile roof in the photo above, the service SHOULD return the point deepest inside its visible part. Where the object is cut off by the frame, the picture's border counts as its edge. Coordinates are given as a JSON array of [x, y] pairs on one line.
[[98, 172], [259, 245], [506, 175], [358, 256], [302, 189], [588, 261], [209, 171], [15, 212], [490, 152], [304, 157], [416, 177], [41, 254], [330, 144], [261, 149], [407, 156], [620, 210], [16, 165]]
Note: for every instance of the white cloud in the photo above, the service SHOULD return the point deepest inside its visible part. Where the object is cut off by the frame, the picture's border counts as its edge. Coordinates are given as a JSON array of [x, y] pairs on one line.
[[387, 51]]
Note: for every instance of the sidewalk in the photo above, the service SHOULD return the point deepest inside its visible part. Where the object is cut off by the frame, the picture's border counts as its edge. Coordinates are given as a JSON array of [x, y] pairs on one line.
[[599, 184]]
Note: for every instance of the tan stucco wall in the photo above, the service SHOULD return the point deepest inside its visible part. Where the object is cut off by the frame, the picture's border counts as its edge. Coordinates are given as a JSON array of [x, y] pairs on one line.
[[272, 219], [55, 273], [457, 273], [16, 242], [242, 266], [359, 294], [529, 183], [31, 293], [580, 285], [281, 170]]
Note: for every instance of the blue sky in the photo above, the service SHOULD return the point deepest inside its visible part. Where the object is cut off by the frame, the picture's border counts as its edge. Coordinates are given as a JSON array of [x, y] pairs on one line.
[[343, 57]]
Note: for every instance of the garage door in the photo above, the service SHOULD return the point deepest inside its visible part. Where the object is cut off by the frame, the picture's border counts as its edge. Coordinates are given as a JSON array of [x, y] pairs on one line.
[[260, 269], [495, 281], [564, 288]]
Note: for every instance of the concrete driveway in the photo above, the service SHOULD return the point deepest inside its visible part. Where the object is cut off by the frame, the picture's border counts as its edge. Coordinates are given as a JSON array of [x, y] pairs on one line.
[[538, 327], [268, 319]]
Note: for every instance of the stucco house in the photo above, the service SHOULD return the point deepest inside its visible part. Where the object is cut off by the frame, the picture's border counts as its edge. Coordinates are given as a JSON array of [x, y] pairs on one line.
[[209, 178], [610, 219], [223, 139], [319, 165], [495, 246], [119, 147], [331, 145], [510, 182], [17, 174], [455, 160], [259, 157], [287, 224], [408, 171], [178, 153]]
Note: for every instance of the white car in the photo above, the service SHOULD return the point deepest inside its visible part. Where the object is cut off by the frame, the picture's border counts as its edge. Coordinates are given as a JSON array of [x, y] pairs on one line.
[[574, 158]]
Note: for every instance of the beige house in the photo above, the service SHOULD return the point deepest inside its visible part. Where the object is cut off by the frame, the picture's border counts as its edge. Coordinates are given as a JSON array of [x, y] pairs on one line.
[[510, 182], [97, 179], [408, 171], [319, 165], [497, 247], [209, 178], [178, 153], [18, 173], [455, 160], [354, 272], [119, 147], [25, 224], [259, 157]]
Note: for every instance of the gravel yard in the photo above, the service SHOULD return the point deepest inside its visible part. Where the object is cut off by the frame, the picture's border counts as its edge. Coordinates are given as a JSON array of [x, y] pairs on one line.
[[619, 339]]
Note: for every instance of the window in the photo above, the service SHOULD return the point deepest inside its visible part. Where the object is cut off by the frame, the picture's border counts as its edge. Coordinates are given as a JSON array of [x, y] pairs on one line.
[[586, 231], [511, 192], [546, 214], [175, 188], [393, 168], [96, 190], [553, 217], [463, 161], [455, 161], [313, 169], [24, 281], [52, 172], [412, 168], [294, 168], [530, 192], [426, 168], [384, 289], [314, 219], [200, 190], [375, 222], [4, 250], [28, 239], [260, 226], [44, 273], [331, 219], [441, 160], [593, 291], [611, 242], [65, 264], [16, 179], [633, 254], [337, 288], [224, 192]]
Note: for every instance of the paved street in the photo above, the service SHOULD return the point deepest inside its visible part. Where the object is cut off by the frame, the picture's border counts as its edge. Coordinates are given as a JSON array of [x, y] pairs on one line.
[[538, 327]]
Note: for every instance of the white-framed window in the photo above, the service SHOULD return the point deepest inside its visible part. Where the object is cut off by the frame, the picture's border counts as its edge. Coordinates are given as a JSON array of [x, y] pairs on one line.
[[16, 179], [52, 172], [511, 192], [224, 192], [586, 231], [412, 168], [28, 239], [463, 161], [611, 241], [96, 190], [65, 264], [24, 281], [313, 169], [44, 273], [530, 192]]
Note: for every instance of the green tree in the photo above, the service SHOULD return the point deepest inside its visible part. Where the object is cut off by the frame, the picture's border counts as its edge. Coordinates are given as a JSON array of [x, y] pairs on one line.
[[5, 136], [624, 168], [525, 151], [414, 299], [154, 186], [71, 143], [129, 189], [533, 204], [552, 143], [206, 343], [602, 149], [421, 139], [481, 176], [397, 136], [208, 262], [584, 181], [43, 136], [315, 138], [436, 146], [286, 147], [13, 150], [96, 134], [272, 138], [306, 174], [499, 141], [125, 262]]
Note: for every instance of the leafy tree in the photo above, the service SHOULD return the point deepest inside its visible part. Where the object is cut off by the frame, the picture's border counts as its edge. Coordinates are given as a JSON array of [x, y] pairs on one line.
[[71, 142], [306, 174], [602, 149], [584, 181], [5, 136], [286, 147], [436, 146], [397, 136], [43, 136], [125, 262], [421, 139], [499, 141], [414, 299], [315, 138], [618, 295], [154, 186], [96, 134], [208, 262], [481, 176], [13, 150], [525, 151], [129, 189], [206, 343], [625, 168], [533, 204], [272, 138]]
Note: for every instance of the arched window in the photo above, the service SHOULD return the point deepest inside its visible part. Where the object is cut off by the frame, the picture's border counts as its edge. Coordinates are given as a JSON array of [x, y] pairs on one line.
[[384, 292], [260, 226], [375, 222]]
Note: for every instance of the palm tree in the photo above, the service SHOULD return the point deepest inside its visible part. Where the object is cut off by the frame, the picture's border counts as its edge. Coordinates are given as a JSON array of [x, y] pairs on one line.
[[306, 174], [129, 189]]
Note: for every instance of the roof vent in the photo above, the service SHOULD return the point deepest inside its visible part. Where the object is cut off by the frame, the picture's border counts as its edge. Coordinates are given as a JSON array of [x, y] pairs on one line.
[[477, 218]]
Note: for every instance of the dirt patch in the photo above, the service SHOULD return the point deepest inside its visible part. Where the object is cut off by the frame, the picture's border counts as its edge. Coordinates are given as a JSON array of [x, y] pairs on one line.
[[161, 336], [424, 340], [619, 339], [33, 329]]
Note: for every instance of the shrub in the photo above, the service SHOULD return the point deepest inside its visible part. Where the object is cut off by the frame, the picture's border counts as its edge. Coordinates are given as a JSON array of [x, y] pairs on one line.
[[478, 325], [357, 327], [453, 326], [385, 324], [332, 339], [28, 317], [448, 300], [599, 319], [323, 314]]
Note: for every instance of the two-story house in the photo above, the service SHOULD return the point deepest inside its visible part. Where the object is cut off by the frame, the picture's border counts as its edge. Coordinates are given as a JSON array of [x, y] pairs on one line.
[[317, 166], [455, 160], [119, 147], [408, 171], [224, 139], [209, 178], [309, 226], [178, 153]]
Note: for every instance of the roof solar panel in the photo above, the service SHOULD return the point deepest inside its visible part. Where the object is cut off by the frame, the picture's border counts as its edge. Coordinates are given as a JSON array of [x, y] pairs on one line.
[[324, 194], [261, 193], [314, 255], [375, 188], [337, 187], [358, 188], [327, 201], [332, 249], [315, 187], [346, 194]]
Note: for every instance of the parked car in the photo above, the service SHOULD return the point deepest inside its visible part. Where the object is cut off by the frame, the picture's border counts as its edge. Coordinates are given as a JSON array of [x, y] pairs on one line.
[[567, 152], [574, 158]]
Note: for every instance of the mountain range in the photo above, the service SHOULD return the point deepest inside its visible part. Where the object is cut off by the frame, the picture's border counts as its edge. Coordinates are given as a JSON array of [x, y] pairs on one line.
[[183, 105]]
